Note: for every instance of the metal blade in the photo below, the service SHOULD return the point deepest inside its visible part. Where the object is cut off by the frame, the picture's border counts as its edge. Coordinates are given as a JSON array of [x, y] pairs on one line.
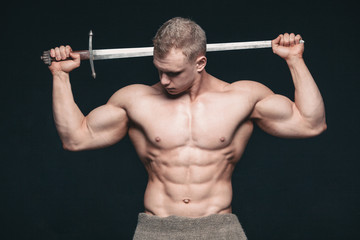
[[148, 51], [102, 54], [214, 47]]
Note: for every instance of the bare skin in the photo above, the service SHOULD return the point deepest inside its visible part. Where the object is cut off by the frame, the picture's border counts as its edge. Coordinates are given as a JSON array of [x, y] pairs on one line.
[[190, 129]]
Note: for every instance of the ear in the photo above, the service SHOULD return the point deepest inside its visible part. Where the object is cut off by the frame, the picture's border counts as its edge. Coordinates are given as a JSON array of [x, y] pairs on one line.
[[201, 63]]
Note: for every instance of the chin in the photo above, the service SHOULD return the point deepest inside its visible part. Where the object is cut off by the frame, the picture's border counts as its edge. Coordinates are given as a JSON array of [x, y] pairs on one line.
[[174, 92], [171, 90]]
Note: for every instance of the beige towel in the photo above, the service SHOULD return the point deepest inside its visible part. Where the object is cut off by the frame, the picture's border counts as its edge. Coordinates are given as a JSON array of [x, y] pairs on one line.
[[213, 227]]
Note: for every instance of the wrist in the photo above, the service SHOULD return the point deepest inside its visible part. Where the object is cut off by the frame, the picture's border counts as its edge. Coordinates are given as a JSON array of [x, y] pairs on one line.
[[294, 60], [60, 74]]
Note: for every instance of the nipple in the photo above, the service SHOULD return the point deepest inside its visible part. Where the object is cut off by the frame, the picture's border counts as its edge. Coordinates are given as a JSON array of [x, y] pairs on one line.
[[186, 201], [157, 139], [222, 139]]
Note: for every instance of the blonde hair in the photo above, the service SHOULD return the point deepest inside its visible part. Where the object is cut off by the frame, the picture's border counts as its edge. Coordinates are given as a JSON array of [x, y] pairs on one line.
[[180, 33]]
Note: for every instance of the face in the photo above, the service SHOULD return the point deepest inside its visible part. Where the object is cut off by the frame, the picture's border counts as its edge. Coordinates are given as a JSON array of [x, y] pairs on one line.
[[177, 74]]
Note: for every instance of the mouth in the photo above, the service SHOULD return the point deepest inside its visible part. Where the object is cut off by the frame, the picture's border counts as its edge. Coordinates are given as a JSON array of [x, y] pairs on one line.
[[171, 91]]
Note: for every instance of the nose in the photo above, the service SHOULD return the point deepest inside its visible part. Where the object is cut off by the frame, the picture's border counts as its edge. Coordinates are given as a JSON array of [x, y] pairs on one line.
[[165, 81]]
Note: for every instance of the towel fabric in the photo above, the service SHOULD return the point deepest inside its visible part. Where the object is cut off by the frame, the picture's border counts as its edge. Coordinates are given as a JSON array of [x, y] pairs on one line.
[[212, 227]]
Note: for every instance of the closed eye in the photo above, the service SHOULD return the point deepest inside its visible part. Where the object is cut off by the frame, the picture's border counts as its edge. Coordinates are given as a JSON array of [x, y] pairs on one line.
[[173, 74]]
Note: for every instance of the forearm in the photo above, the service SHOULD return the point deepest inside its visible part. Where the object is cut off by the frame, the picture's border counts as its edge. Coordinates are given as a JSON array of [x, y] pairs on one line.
[[68, 117], [308, 99]]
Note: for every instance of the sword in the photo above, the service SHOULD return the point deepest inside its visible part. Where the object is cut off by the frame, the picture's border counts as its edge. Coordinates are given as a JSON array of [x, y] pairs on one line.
[[102, 54]]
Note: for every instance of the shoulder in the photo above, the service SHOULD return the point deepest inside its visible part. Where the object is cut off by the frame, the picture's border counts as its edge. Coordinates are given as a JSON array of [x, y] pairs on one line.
[[135, 89], [247, 85], [127, 94], [252, 89]]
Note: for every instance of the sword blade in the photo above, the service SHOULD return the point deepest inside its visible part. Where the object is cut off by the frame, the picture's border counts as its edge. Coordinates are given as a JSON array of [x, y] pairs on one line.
[[102, 54], [214, 47]]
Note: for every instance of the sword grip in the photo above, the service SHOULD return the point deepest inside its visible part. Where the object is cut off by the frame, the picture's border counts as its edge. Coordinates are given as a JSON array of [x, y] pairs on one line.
[[47, 59]]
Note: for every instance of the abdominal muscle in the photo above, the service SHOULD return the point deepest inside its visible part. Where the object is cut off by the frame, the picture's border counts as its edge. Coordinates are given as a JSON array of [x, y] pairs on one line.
[[188, 181]]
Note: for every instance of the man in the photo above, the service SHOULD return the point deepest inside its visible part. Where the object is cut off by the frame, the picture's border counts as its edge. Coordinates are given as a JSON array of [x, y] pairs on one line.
[[190, 129]]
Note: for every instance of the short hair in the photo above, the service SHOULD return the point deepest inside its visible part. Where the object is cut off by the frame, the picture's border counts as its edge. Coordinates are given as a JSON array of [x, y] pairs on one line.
[[180, 33]]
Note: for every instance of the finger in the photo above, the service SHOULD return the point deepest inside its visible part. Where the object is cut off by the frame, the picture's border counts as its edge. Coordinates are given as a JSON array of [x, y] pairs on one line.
[[52, 53], [286, 40], [57, 54], [67, 50], [62, 52], [292, 39], [297, 39], [281, 43]]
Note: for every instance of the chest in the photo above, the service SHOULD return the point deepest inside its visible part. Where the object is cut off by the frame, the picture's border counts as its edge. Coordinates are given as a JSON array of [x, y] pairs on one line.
[[208, 123]]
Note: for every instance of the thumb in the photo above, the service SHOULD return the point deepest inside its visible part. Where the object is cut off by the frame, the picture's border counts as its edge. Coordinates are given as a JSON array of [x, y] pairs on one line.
[[276, 41], [75, 56]]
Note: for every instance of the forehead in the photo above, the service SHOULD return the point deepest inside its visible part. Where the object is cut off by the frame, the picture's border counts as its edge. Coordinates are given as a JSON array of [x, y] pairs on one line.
[[174, 61]]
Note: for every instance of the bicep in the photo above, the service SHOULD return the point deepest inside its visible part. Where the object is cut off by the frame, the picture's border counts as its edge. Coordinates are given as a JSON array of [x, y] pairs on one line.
[[279, 116], [104, 126]]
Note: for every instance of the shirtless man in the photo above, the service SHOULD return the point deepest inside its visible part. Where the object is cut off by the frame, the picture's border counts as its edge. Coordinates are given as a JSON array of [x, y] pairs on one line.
[[190, 129]]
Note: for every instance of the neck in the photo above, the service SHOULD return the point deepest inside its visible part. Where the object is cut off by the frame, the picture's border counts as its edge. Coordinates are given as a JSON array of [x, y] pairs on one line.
[[200, 85]]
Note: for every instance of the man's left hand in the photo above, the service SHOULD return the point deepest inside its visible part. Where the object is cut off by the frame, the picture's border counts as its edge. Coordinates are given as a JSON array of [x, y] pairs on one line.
[[288, 46]]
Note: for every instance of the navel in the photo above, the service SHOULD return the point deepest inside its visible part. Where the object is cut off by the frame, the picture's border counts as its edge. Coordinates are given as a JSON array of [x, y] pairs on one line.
[[186, 201], [222, 139], [157, 139]]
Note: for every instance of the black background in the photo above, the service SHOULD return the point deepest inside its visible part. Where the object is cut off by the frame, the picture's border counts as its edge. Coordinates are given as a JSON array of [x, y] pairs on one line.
[[283, 189]]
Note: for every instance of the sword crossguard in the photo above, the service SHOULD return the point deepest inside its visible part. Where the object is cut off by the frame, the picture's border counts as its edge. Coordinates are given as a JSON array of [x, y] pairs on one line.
[[91, 53]]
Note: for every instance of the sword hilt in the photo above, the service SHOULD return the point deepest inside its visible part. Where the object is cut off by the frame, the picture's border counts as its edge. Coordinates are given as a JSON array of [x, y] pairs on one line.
[[47, 59], [84, 55]]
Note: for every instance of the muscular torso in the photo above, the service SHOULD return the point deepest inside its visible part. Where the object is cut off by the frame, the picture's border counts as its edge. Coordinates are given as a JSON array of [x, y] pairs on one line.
[[189, 148]]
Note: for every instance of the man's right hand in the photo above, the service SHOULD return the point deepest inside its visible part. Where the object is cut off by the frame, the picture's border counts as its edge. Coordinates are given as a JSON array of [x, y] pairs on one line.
[[60, 54]]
